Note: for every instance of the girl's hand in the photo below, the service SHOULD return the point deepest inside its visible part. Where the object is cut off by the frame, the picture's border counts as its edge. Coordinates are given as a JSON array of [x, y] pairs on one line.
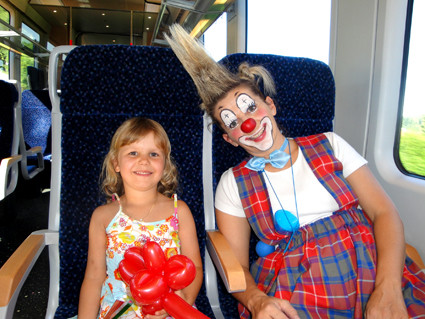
[[386, 303], [266, 307], [161, 314]]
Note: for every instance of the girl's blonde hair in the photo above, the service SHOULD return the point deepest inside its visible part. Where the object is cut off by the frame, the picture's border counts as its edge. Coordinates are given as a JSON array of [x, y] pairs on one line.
[[129, 132], [212, 80]]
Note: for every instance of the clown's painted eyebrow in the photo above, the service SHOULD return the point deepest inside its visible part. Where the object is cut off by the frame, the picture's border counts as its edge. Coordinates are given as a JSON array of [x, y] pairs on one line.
[[228, 118], [222, 106], [244, 102]]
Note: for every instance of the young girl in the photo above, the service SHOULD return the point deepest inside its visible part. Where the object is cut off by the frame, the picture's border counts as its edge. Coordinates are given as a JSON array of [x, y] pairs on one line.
[[326, 257], [139, 173]]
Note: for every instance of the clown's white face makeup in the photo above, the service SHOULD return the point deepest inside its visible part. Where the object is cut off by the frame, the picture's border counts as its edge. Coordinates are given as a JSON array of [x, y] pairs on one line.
[[262, 138], [248, 121]]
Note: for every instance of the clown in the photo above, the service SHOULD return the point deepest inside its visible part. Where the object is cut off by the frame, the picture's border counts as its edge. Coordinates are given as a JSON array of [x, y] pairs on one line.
[[328, 225]]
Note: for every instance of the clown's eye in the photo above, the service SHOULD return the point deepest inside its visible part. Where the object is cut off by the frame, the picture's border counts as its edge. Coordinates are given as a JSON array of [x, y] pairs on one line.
[[229, 119], [246, 103]]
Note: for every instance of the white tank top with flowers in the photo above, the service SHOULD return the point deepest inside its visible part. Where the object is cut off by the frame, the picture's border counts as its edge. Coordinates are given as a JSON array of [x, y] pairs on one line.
[[122, 233]]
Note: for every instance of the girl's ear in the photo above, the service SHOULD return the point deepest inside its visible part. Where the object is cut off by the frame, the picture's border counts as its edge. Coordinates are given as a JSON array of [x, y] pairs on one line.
[[271, 105], [229, 140]]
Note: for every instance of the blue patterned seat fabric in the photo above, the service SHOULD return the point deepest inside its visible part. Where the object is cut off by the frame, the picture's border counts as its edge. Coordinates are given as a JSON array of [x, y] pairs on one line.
[[36, 120], [101, 87], [305, 99]]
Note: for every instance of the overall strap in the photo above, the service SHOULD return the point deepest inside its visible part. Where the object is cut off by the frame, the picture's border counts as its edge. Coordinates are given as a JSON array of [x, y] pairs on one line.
[[256, 204], [327, 168]]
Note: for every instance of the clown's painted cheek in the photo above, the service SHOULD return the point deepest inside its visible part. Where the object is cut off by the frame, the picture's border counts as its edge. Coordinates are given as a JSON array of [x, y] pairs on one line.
[[244, 102]]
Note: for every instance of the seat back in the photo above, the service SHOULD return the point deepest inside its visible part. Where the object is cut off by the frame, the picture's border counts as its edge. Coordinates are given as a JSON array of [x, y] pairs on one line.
[[101, 86], [305, 100], [36, 78], [36, 139], [10, 122], [9, 97], [36, 119]]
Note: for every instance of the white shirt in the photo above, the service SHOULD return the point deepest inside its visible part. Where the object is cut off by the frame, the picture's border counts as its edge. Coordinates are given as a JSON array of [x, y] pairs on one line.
[[313, 201]]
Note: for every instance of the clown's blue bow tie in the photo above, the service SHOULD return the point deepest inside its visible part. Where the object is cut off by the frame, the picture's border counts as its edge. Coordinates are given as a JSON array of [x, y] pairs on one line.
[[277, 159]]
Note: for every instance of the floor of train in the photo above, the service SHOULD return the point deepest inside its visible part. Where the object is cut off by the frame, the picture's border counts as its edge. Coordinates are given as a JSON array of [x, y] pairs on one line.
[[21, 213]]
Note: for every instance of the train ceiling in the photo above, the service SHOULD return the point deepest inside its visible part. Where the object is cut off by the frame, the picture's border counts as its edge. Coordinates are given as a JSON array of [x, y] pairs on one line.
[[142, 20]]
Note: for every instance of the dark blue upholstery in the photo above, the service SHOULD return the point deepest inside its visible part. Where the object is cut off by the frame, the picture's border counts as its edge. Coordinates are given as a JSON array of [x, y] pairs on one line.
[[101, 87], [36, 78], [36, 119], [9, 96], [36, 128], [305, 99]]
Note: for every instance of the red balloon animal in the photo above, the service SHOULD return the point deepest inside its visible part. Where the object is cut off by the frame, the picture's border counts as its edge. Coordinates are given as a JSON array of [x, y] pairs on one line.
[[153, 279]]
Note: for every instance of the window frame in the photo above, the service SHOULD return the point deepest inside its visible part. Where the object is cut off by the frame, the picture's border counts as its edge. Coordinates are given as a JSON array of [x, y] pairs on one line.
[[404, 68], [9, 53]]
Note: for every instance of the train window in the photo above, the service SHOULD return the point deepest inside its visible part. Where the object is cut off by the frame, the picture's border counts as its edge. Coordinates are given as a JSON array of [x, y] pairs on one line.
[[31, 34], [287, 27], [215, 38], [4, 52], [50, 46], [26, 60], [410, 151]]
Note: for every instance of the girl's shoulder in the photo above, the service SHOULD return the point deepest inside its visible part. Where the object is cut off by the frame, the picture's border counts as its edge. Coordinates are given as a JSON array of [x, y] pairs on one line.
[[184, 212], [182, 206], [179, 205], [103, 214]]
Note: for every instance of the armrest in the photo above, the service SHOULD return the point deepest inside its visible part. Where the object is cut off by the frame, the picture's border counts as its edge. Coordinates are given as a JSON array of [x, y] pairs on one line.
[[36, 150], [225, 261], [6, 164], [18, 266], [414, 255]]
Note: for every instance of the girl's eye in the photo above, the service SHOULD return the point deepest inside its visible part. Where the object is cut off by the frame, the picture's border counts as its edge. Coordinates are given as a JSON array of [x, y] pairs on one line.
[[133, 153], [154, 154], [246, 103], [229, 119]]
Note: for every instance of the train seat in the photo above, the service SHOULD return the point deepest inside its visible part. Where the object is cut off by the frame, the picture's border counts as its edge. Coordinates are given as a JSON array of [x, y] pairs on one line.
[[36, 127], [32, 161], [306, 102], [9, 137], [36, 78], [101, 86], [37, 120]]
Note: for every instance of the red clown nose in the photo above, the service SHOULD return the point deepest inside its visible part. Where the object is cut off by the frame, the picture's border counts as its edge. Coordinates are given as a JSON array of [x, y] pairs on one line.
[[248, 125]]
